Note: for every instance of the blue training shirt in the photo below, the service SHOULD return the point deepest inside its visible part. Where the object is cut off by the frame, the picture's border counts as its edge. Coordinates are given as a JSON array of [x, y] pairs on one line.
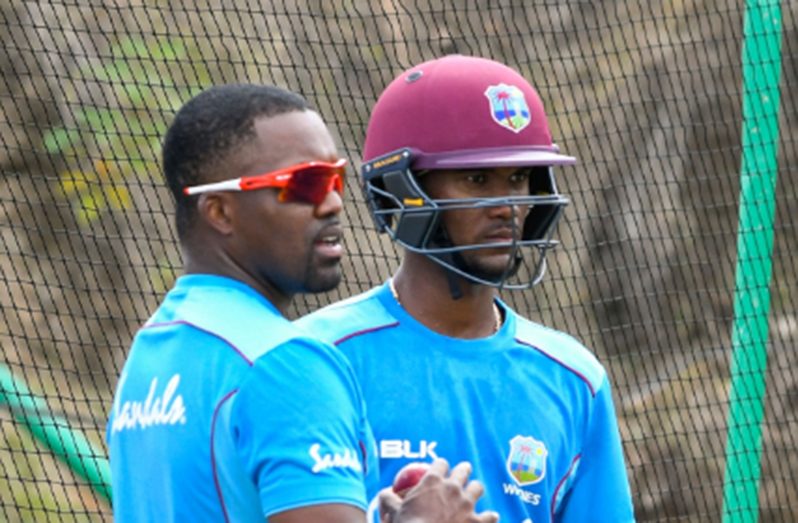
[[530, 407], [224, 411]]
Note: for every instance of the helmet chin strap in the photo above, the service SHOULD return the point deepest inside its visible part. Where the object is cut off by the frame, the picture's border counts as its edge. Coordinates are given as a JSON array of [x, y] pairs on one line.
[[442, 239], [454, 285], [449, 258]]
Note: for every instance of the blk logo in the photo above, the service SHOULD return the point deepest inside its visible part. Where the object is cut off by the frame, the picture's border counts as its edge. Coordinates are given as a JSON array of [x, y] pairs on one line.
[[402, 448]]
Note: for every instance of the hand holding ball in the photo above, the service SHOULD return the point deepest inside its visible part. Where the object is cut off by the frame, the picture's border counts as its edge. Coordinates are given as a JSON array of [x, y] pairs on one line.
[[444, 495], [408, 477]]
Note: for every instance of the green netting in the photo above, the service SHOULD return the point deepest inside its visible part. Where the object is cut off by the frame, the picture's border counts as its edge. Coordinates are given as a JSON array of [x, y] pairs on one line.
[[654, 98]]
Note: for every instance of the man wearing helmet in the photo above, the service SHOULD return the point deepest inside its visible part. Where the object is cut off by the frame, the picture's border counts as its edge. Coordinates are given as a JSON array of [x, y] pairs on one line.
[[457, 170]]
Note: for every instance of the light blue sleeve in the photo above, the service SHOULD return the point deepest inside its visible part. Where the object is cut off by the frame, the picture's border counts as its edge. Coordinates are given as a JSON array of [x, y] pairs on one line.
[[300, 428], [598, 491]]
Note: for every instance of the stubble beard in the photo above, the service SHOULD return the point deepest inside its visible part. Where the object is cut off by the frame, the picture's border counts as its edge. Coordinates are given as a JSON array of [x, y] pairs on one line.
[[320, 279], [490, 270]]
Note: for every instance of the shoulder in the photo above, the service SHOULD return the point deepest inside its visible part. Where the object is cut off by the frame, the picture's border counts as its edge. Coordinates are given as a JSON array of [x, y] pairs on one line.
[[225, 310], [359, 314], [565, 351], [301, 369], [307, 354]]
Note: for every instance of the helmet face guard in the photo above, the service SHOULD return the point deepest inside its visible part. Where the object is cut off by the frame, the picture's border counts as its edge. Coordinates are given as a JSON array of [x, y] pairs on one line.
[[402, 209]]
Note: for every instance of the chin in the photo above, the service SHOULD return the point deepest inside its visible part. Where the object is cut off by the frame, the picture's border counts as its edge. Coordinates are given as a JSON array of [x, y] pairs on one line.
[[490, 267], [323, 281]]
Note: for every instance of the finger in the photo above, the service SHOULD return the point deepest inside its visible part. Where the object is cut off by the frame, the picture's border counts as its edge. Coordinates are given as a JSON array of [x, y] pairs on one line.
[[474, 490], [461, 472], [440, 467], [487, 517], [389, 504]]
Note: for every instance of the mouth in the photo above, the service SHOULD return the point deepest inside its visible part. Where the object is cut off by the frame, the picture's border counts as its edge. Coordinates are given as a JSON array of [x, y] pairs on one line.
[[328, 243], [501, 235]]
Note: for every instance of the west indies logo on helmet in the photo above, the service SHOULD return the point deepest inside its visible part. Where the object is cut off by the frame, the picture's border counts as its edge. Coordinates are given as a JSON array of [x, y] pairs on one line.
[[508, 106], [461, 112]]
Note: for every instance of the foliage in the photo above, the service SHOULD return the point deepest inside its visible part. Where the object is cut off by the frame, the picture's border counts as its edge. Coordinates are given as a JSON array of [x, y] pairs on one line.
[[31, 483], [115, 139], [162, 276]]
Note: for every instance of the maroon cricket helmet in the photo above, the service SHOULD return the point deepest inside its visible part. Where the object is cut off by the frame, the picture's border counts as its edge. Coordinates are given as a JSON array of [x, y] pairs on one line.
[[462, 112]]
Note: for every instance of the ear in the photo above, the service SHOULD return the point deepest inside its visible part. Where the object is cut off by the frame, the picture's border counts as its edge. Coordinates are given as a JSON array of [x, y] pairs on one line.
[[216, 210]]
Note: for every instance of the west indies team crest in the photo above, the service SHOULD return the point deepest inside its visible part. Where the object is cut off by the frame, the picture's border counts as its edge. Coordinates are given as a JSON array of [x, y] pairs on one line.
[[527, 460], [508, 107]]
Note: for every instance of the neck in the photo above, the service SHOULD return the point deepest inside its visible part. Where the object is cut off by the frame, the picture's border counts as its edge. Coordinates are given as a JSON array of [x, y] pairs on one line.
[[423, 291], [217, 263]]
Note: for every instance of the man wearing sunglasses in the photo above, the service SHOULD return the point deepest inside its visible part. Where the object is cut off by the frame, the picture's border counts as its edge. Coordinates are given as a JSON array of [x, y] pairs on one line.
[[224, 411], [458, 170]]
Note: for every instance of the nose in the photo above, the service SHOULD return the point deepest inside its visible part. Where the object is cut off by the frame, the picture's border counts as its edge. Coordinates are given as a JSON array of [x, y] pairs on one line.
[[332, 205], [515, 214], [505, 212]]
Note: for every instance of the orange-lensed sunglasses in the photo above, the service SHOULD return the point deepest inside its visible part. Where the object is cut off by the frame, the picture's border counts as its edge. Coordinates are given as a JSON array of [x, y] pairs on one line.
[[308, 182]]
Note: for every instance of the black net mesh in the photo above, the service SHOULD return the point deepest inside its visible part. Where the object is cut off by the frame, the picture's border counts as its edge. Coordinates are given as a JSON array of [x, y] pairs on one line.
[[648, 95]]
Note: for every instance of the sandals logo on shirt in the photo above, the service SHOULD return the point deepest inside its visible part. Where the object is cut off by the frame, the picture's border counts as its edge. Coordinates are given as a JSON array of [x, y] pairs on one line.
[[334, 460], [508, 107], [167, 408], [527, 460]]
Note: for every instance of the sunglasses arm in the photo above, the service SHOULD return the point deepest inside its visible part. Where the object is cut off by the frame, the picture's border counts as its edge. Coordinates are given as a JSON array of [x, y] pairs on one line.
[[227, 185]]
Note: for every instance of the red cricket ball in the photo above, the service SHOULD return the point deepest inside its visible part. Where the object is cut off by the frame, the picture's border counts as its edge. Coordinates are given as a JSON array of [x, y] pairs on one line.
[[408, 477]]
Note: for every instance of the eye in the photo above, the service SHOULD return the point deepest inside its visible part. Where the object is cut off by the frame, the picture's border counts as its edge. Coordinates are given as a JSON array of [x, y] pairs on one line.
[[520, 176], [477, 178]]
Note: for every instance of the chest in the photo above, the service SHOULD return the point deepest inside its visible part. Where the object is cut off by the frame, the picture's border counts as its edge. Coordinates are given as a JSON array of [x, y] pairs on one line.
[[515, 416]]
